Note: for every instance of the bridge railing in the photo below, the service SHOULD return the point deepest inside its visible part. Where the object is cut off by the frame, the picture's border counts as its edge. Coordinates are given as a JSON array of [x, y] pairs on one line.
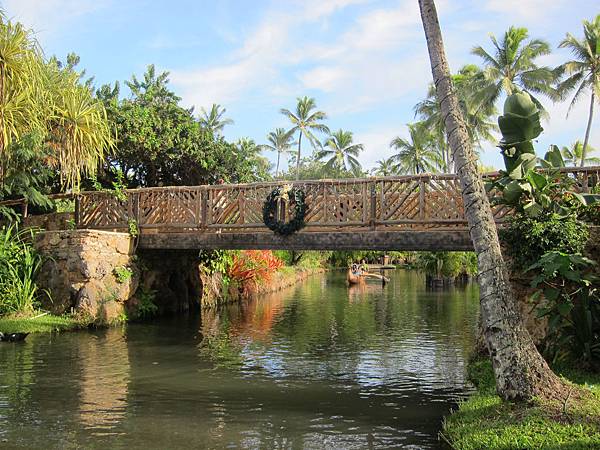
[[428, 201]]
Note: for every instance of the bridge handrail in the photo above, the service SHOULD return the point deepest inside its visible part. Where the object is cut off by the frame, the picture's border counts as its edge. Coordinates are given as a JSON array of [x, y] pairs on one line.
[[424, 201]]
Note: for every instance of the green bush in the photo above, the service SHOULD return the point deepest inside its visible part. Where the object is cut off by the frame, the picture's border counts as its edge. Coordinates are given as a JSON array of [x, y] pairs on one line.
[[19, 265], [527, 239]]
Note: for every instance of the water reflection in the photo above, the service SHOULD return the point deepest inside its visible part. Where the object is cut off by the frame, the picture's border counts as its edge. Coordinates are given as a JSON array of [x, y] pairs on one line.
[[316, 366]]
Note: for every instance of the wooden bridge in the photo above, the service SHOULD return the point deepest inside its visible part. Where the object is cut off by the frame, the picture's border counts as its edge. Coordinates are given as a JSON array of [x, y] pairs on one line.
[[423, 212]]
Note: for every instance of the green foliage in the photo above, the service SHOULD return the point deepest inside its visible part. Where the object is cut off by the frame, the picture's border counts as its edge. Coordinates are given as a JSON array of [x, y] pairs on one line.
[[132, 226], [147, 307], [341, 152], [160, 143], [216, 261], [528, 238], [122, 274], [19, 265], [64, 205], [521, 186], [419, 153], [572, 305], [447, 264], [37, 323]]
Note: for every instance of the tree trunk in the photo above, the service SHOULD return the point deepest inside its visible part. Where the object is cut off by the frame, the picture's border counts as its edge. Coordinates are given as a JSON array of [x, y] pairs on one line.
[[298, 157], [587, 131], [520, 371], [277, 168]]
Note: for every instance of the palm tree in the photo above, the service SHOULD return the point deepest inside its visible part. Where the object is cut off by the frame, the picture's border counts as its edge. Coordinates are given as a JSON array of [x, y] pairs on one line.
[[520, 371], [213, 120], [417, 154], [573, 155], [280, 142], [584, 71], [305, 121], [385, 167], [341, 152], [480, 127], [511, 67]]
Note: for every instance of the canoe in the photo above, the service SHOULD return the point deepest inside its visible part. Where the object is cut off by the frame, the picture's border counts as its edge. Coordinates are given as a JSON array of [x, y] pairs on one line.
[[12, 337]]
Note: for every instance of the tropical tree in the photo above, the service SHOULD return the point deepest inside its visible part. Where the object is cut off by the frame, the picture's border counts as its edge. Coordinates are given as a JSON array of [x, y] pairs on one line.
[[583, 71], [385, 167], [477, 116], [418, 154], [305, 121], [573, 155], [214, 120], [511, 67], [341, 152], [520, 371], [280, 142], [22, 107]]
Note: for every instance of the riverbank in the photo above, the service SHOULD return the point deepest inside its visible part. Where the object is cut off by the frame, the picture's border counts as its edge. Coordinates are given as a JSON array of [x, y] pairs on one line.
[[484, 421], [37, 323]]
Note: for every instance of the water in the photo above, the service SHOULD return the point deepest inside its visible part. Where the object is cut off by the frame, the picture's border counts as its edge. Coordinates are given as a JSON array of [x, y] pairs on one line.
[[316, 366]]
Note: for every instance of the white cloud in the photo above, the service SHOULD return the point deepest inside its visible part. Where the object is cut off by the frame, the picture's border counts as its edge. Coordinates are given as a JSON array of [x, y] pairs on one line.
[[376, 143], [531, 10]]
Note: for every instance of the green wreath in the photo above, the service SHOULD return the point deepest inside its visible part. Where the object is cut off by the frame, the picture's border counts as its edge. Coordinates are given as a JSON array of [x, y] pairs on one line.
[[294, 195]]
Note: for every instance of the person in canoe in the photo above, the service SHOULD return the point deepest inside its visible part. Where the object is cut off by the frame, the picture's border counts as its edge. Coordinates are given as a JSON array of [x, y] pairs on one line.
[[357, 274]]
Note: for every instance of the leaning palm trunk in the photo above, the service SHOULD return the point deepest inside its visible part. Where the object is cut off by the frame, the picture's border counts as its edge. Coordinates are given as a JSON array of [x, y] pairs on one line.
[[587, 130], [520, 371]]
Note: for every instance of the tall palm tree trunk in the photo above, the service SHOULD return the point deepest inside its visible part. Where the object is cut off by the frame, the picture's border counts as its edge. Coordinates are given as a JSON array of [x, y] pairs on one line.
[[587, 131], [277, 168], [520, 371], [298, 157]]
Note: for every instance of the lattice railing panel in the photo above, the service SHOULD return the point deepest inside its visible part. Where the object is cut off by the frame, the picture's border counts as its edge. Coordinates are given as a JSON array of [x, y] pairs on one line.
[[102, 210], [443, 201], [346, 203], [400, 201], [223, 206], [180, 207]]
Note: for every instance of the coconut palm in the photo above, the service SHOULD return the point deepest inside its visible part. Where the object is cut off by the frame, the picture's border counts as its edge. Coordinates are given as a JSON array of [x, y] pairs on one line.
[[418, 154], [584, 71], [214, 120], [511, 67], [341, 152], [478, 116], [305, 121], [385, 167], [280, 142], [520, 371], [573, 155]]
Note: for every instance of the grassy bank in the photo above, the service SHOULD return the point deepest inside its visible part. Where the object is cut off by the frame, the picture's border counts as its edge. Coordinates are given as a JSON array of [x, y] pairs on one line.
[[37, 324], [485, 422]]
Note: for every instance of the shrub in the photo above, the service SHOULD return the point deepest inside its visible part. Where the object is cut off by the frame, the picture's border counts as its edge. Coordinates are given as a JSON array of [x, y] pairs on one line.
[[19, 265], [122, 274], [527, 239], [251, 267]]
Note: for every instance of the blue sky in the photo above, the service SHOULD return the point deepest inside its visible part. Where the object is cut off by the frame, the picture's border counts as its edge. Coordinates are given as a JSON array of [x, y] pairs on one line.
[[364, 61]]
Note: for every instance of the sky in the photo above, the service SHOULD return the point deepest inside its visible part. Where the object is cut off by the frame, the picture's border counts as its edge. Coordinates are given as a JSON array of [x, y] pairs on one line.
[[364, 61]]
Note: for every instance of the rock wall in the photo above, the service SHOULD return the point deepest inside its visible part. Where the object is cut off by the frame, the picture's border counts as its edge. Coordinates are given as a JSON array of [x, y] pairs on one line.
[[92, 273], [51, 222]]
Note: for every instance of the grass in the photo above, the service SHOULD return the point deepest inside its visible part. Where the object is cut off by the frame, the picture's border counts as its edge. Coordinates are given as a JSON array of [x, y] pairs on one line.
[[33, 324], [485, 422]]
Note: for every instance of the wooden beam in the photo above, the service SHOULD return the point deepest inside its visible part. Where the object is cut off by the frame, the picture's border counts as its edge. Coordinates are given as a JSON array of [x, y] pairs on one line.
[[458, 240]]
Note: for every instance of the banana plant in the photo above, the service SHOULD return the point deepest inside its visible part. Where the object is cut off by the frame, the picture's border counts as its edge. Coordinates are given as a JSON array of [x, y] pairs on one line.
[[522, 187]]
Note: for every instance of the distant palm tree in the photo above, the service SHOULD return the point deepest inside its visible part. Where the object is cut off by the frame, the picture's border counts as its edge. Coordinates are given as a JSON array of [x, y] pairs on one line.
[[574, 155], [511, 67], [280, 142], [477, 116], [417, 154], [305, 121], [341, 152], [213, 120], [385, 167], [584, 71]]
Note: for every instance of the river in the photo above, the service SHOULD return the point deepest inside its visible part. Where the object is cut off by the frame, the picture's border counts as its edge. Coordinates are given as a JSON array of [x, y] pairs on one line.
[[318, 365]]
